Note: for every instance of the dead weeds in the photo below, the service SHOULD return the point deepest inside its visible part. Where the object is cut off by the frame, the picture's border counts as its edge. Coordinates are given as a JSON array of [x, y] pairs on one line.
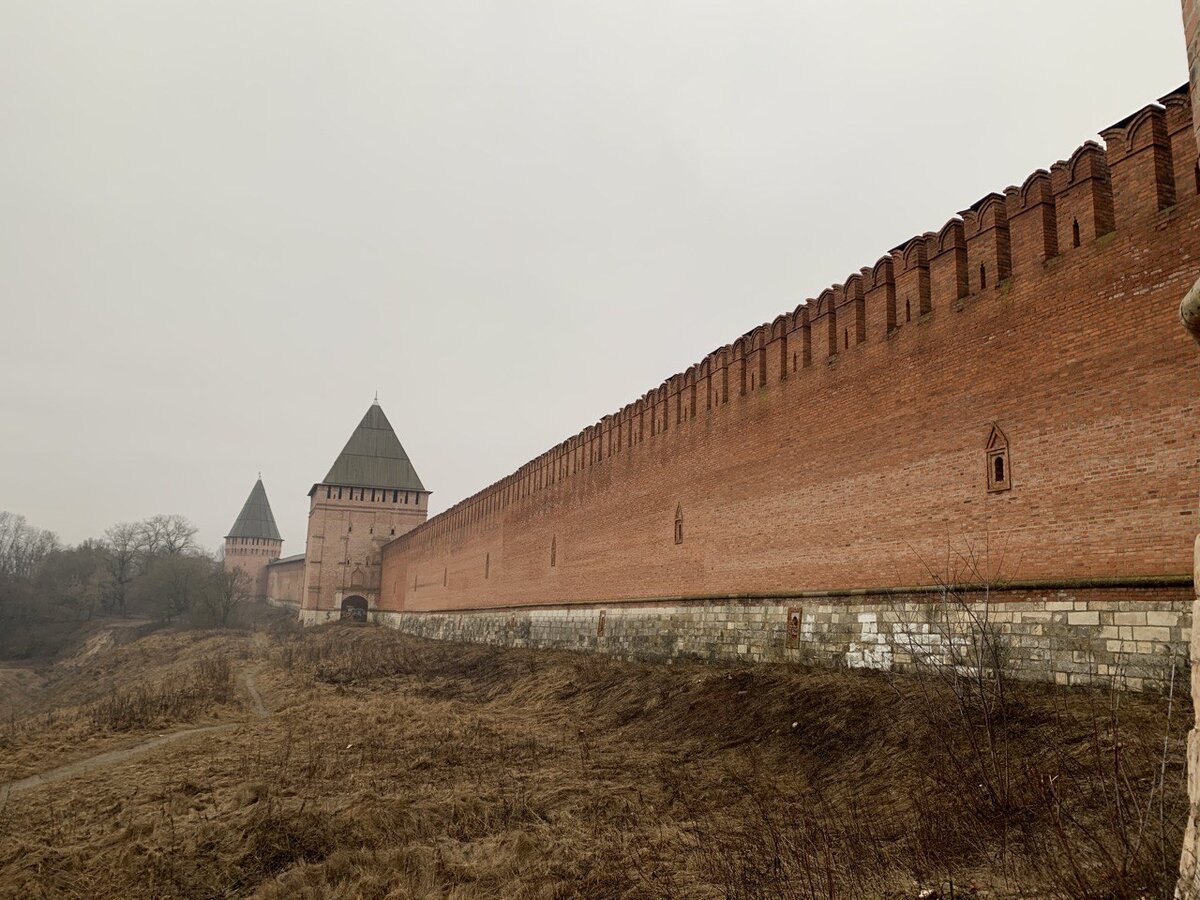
[[400, 768]]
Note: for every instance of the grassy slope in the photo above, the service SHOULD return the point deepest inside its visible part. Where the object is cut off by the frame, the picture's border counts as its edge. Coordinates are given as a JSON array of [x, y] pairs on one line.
[[399, 768], [57, 723]]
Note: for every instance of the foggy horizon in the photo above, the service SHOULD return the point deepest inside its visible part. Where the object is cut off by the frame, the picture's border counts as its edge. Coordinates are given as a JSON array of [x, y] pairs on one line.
[[228, 226]]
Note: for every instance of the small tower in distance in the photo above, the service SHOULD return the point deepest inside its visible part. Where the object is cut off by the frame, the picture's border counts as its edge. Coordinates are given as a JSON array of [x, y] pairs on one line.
[[254, 541], [371, 495]]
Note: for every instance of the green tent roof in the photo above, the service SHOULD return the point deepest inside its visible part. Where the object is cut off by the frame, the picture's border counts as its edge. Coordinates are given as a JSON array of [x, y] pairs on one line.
[[255, 520], [373, 457]]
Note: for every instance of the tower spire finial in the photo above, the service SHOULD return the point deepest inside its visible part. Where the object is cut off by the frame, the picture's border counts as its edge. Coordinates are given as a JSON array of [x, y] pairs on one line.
[[377, 398]]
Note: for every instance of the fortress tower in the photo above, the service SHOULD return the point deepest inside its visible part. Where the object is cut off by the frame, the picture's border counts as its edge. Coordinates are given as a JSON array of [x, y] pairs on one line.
[[371, 495], [254, 541]]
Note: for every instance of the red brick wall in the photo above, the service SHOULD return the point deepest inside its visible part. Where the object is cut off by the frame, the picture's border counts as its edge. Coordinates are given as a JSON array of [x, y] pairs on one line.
[[858, 469], [285, 581], [346, 529], [252, 555], [1191, 32]]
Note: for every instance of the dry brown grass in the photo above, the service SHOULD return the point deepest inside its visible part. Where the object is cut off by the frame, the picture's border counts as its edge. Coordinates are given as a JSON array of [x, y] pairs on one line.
[[398, 768], [94, 701], [181, 697]]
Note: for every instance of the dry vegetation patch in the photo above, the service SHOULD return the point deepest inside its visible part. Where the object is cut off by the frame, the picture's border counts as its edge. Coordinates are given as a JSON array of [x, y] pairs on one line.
[[397, 768], [96, 701]]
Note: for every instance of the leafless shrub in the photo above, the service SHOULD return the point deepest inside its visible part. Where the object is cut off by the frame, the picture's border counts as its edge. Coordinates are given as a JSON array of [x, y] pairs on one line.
[[1110, 833], [179, 697]]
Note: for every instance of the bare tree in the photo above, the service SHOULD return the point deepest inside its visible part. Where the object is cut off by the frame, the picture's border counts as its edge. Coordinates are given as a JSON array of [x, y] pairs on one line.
[[23, 547], [169, 535], [229, 589], [122, 552], [70, 582], [172, 585]]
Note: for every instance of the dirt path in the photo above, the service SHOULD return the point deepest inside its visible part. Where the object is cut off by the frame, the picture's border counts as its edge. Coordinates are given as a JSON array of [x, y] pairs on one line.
[[101, 761], [260, 708], [115, 757]]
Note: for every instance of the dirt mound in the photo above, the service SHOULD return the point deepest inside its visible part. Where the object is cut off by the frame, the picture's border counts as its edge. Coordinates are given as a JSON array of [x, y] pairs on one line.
[[101, 636], [18, 684]]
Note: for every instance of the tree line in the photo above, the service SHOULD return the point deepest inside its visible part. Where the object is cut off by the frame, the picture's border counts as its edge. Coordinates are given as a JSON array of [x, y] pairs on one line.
[[153, 568]]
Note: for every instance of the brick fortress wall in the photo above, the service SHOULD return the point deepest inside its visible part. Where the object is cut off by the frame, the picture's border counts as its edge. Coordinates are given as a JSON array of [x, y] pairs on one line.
[[1188, 887], [253, 556], [851, 443], [285, 582], [347, 527]]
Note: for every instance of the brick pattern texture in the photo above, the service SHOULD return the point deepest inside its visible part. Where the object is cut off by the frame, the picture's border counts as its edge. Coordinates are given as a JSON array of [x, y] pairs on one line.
[[1188, 887], [347, 527], [285, 582], [845, 445], [253, 556]]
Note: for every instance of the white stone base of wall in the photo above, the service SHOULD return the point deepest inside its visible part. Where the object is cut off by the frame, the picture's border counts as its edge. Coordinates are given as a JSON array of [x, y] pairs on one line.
[[283, 604], [1139, 644], [320, 616]]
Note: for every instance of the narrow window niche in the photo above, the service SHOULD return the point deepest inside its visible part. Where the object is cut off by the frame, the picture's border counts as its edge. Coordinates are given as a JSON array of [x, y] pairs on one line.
[[553, 551], [679, 524], [999, 464]]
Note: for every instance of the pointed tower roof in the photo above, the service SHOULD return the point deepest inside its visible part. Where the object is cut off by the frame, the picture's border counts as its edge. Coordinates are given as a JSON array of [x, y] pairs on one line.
[[373, 457], [256, 520]]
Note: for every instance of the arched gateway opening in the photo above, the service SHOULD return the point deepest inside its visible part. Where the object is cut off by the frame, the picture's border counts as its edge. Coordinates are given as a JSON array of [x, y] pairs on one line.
[[354, 609]]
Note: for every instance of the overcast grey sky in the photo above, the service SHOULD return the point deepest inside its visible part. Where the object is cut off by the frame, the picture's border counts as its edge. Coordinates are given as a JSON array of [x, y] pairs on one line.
[[225, 225]]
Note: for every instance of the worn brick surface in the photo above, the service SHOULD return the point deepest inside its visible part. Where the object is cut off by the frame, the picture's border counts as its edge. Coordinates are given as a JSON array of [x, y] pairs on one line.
[[253, 556], [347, 526], [1189, 881], [285, 581], [824, 451]]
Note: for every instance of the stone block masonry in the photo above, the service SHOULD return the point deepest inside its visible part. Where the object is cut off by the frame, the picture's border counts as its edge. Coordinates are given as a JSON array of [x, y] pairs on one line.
[[1065, 636]]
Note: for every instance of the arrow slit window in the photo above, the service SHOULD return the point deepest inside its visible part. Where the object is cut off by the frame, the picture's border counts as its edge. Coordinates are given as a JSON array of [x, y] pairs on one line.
[[999, 465]]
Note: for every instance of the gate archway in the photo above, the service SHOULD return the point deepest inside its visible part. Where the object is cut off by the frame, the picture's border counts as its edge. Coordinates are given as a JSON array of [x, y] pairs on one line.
[[354, 609]]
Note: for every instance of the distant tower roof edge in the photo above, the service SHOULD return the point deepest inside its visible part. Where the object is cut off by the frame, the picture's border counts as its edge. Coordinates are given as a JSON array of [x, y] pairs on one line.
[[256, 519]]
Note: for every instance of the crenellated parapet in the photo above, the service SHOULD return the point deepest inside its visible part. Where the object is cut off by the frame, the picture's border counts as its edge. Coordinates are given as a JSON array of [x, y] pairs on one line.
[[1032, 223], [1147, 164], [1178, 106], [912, 279], [1083, 196], [1138, 152], [989, 248]]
